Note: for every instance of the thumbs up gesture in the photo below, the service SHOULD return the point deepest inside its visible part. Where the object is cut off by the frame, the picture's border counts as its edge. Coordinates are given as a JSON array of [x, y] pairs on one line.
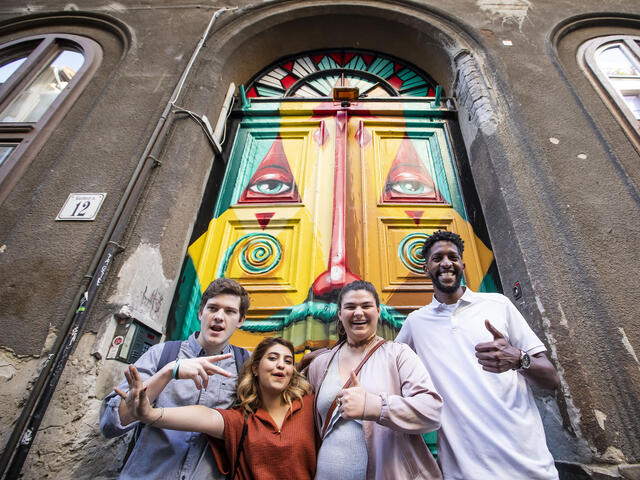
[[498, 355], [352, 400]]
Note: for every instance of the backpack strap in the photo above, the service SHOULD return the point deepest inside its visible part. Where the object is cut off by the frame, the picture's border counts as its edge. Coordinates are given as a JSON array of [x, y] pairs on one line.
[[240, 355], [170, 351]]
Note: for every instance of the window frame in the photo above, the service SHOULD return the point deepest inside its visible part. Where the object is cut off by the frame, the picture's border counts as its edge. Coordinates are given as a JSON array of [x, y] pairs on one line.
[[587, 59], [30, 137]]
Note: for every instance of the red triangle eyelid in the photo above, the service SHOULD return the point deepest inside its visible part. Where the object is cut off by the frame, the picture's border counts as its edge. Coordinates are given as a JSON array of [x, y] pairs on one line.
[[411, 174], [408, 168], [274, 168], [271, 172]]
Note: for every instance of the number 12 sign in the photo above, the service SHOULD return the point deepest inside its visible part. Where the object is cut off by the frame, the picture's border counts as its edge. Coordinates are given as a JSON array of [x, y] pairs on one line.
[[81, 206]]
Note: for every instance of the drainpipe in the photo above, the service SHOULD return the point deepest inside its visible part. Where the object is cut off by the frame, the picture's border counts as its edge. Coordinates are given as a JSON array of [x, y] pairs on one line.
[[33, 412]]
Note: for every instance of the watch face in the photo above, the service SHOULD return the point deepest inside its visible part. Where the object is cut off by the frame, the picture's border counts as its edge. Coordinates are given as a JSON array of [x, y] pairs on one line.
[[525, 360]]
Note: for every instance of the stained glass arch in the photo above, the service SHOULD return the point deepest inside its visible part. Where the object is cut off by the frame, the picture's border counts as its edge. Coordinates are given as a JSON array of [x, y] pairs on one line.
[[314, 74]]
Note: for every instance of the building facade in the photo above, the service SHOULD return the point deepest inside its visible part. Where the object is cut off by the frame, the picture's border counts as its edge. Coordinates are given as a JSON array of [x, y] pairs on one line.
[[207, 139]]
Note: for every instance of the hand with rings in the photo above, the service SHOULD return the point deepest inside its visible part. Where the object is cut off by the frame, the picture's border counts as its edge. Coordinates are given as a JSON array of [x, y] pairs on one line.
[[351, 401]]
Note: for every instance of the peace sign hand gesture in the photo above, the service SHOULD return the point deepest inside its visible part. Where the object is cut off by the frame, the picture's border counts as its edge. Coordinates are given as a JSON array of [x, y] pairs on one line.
[[198, 369]]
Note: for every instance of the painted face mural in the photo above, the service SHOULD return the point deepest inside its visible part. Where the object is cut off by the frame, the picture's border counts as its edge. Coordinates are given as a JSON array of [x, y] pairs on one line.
[[317, 194]]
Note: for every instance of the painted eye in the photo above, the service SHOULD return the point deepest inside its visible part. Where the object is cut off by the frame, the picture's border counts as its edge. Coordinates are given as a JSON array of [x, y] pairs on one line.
[[269, 186], [409, 183], [409, 188]]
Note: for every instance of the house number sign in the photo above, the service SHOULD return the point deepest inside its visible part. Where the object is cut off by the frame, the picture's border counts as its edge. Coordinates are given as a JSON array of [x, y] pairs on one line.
[[81, 206]]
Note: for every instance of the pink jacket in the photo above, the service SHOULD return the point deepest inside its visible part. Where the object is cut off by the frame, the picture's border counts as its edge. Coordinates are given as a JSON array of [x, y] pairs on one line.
[[410, 406]]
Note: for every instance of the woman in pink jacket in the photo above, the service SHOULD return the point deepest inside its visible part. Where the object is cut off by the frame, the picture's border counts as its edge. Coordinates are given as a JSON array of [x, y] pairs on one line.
[[370, 428]]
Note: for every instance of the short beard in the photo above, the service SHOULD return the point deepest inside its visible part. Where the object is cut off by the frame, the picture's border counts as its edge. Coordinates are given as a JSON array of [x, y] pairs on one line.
[[447, 289]]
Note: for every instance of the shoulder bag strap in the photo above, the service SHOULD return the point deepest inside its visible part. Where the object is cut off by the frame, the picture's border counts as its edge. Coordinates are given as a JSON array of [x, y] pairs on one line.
[[347, 384], [169, 353], [240, 448]]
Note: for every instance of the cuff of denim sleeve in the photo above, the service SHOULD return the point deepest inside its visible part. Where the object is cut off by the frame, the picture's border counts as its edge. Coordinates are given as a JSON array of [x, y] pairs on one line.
[[372, 407]]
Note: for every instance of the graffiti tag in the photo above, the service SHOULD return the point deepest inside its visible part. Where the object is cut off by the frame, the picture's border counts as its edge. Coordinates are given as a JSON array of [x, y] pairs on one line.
[[152, 300]]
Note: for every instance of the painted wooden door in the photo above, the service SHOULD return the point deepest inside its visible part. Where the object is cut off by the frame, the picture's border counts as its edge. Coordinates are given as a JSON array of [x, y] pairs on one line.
[[403, 187], [318, 194]]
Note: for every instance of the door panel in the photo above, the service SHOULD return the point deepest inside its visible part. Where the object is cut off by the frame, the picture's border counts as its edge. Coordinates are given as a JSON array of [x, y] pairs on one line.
[[408, 189], [269, 232]]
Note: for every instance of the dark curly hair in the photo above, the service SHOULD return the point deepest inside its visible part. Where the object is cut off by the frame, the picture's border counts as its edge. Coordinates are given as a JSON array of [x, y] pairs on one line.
[[442, 236]]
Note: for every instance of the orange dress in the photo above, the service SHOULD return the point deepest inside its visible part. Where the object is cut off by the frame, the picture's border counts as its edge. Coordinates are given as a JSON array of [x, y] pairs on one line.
[[269, 453]]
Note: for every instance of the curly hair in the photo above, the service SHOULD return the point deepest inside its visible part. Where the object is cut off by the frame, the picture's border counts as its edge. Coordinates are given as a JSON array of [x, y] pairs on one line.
[[226, 285], [248, 391], [442, 236]]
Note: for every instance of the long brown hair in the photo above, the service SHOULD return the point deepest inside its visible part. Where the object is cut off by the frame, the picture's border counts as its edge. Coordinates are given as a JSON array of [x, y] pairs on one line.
[[248, 391]]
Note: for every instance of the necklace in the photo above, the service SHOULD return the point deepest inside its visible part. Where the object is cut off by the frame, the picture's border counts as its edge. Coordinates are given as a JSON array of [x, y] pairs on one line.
[[361, 343]]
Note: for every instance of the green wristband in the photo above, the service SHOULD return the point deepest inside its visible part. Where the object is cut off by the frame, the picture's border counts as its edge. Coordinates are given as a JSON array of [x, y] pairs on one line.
[[174, 374]]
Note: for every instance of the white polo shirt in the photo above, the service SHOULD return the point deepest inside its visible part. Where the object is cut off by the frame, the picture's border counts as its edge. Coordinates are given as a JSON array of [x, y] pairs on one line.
[[491, 428]]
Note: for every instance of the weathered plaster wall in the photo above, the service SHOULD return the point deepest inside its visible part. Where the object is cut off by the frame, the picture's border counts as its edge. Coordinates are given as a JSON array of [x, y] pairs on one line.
[[17, 373], [69, 444]]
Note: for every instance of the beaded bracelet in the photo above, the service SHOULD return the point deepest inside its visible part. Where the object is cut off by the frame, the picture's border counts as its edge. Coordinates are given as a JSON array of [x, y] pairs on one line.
[[174, 374]]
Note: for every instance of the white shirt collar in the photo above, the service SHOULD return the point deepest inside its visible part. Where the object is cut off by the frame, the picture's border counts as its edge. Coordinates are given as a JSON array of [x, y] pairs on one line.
[[467, 297]]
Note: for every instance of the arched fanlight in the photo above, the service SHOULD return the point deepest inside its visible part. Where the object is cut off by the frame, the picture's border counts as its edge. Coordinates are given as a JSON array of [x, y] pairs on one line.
[[313, 75]]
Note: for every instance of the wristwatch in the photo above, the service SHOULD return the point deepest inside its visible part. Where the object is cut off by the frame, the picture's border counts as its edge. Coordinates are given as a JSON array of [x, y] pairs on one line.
[[525, 360]]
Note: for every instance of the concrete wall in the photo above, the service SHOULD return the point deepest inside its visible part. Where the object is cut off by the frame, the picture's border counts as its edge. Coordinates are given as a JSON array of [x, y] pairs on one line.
[[556, 178]]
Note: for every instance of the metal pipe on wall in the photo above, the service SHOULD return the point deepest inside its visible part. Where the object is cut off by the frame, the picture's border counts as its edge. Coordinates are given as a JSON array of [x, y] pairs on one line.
[[40, 396]]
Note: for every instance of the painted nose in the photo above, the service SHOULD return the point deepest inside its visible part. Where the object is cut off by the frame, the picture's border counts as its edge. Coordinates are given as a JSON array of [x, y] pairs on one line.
[[337, 273]]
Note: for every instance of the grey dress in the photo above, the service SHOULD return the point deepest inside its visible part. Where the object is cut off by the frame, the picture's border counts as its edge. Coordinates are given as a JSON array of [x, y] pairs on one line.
[[343, 453]]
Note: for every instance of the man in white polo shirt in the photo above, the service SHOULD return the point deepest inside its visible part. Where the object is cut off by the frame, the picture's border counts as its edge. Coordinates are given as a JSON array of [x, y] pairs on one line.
[[482, 355]]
